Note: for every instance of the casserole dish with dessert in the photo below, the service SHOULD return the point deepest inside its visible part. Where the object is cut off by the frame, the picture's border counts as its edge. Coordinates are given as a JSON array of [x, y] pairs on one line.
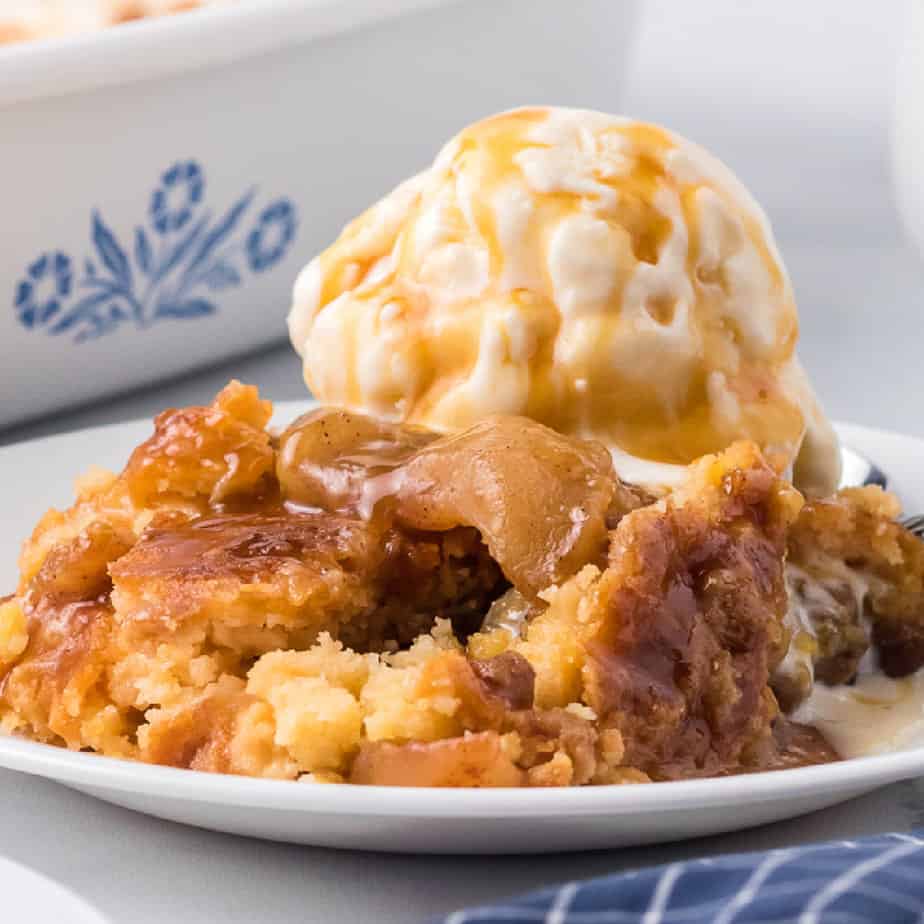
[[166, 178]]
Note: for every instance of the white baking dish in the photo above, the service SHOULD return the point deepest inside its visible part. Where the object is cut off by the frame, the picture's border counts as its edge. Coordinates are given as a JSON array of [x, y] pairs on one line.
[[161, 183]]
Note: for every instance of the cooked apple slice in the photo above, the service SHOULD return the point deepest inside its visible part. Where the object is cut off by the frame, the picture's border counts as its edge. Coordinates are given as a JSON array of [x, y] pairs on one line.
[[538, 498]]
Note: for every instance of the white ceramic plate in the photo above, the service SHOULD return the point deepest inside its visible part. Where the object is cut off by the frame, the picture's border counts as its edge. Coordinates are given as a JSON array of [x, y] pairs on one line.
[[27, 896], [35, 474]]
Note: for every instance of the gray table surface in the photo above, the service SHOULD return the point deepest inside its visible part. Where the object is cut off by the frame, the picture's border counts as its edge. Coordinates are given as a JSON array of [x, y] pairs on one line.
[[861, 309]]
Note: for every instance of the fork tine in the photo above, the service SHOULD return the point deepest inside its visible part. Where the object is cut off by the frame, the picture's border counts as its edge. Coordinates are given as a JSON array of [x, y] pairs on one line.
[[914, 525]]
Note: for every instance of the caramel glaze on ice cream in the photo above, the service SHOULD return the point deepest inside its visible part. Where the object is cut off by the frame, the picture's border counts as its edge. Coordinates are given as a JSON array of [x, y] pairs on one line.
[[603, 276]]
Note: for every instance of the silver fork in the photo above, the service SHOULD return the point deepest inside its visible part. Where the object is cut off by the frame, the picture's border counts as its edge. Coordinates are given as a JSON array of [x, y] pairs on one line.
[[914, 525], [857, 470]]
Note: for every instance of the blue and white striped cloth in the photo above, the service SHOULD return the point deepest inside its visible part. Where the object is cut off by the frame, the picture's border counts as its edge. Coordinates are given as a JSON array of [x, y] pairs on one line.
[[875, 880]]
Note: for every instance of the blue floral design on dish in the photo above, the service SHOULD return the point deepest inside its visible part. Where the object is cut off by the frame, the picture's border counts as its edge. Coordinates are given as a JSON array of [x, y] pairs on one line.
[[172, 269], [47, 283], [271, 238], [180, 191]]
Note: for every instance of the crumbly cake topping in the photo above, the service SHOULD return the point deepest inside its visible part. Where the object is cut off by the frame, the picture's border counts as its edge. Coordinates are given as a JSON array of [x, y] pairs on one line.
[[502, 610]]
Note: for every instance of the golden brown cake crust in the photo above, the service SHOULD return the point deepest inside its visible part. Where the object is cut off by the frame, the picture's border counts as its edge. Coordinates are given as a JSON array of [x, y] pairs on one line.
[[857, 529], [693, 616], [191, 612], [145, 593]]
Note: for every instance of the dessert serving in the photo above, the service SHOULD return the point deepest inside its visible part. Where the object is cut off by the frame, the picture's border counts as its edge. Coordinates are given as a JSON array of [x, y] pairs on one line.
[[566, 513], [30, 20]]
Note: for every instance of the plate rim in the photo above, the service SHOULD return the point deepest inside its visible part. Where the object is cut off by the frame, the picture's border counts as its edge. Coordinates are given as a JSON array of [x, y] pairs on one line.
[[84, 769]]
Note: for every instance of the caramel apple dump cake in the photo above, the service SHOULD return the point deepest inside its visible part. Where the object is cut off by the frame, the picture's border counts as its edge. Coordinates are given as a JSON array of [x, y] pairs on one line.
[[566, 513], [359, 600], [32, 20]]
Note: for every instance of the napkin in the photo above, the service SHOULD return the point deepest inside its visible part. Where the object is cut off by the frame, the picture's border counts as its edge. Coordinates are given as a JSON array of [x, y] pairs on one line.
[[873, 880]]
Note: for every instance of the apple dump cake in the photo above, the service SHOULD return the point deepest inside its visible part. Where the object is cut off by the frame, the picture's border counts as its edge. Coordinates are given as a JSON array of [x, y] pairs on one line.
[[359, 600], [565, 515], [30, 20]]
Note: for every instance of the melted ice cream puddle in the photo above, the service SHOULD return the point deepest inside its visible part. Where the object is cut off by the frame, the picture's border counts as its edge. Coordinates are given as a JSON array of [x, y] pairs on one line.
[[655, 476], [876, 715]]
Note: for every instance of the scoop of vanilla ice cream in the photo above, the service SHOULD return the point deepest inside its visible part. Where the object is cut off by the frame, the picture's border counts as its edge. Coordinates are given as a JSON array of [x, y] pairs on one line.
[[601, 275]]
